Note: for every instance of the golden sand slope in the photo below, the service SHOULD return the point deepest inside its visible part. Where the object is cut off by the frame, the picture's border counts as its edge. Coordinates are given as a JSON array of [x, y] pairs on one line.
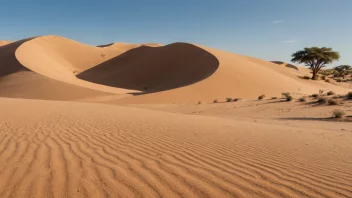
[[63, 149], [183, 72]]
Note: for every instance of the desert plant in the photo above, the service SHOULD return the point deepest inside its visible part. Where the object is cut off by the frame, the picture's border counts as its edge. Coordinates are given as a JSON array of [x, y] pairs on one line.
[[289, 98], [261, 97], [333, 102], [337, 113], [315, 58], [306, 77], [330, 93], [321, 91], [322, 100], [303, 99], [215, 101], [315, 95], [274, 98], [342, 70], [236, 99], [228, 99], [349, 95], [338, 80], [328, 81]]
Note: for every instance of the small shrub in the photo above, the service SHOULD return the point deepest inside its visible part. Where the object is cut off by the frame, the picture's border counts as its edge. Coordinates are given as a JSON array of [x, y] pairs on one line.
[[215, 101], [274, 98], [286, 94], [323, 100], [289, 98], [338, 80], [321, 91], [306, 77], [200, 102], [330, 93], [349, 95], [337, 113], [261, 97], [333, 102], [328, 81], [323, 77], [236, 99], [229, 99], [303, 99], [315, 95]]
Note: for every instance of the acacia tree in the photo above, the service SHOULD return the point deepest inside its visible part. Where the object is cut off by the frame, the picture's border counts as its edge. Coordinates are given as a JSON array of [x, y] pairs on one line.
[[342, 70], [315, 58]]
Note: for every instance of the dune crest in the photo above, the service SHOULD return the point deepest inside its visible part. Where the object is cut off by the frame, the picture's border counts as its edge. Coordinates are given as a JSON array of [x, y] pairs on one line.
[[152, 69]]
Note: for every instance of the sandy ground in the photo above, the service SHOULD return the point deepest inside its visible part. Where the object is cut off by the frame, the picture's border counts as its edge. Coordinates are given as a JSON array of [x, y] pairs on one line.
[[78, 121]]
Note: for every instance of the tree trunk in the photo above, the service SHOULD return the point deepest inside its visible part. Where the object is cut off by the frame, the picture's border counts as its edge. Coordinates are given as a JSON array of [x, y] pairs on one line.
[[314, 77]]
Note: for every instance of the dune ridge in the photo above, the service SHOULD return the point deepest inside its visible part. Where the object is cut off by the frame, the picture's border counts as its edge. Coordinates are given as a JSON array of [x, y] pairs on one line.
[[151, 73], [141, 153]]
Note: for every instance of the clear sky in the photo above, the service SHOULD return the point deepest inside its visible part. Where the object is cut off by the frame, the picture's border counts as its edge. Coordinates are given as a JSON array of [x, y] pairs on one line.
[[267, 29]]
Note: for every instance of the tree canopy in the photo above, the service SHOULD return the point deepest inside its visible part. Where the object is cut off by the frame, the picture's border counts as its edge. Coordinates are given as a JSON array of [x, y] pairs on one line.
[[315, 58]]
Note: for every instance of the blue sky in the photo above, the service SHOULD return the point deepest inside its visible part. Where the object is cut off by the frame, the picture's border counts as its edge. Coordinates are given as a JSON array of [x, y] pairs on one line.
[[267, 29]]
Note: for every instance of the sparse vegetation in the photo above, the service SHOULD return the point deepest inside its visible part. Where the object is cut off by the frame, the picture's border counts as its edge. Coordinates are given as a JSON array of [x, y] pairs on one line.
[[315, 58], [342, 70], [228, 99], [287, 96], [321, 91], [215, 101], [200, 102], [261, 97], [333, 102], [349, 95], [306, 77], [328, 81], [338, 80], [303, 99], [315, 95], [274, 98], [330, 93], [323, 100], [337, 113]]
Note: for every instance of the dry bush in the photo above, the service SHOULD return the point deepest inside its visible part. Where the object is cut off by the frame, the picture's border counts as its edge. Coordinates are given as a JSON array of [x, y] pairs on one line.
[[261, 97], [228, 99], [323, 100], [337, 113], [303, 99], [333, 102], [215, 101], [330, 93]]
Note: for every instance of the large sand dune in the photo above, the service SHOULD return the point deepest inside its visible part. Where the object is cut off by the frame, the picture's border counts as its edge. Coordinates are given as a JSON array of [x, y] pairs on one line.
[[151, 73], [81, 149], [65, 149]]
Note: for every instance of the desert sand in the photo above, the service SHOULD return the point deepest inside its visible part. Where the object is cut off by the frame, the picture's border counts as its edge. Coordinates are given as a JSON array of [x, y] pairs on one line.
[[138, 120]]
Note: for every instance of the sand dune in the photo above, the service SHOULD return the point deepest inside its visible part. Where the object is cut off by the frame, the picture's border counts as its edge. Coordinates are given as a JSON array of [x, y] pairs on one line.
[[182, 72], [63, 149], [152, 69]]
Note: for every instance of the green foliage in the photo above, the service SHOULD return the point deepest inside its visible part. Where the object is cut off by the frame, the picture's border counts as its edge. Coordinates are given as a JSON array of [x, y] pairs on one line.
[[342, 70], [315, 58], [337, 113]]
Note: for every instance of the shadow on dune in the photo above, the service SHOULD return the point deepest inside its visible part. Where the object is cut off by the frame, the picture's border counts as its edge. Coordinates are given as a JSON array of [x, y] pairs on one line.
[[286, 64], [154, 69], [8, 61]]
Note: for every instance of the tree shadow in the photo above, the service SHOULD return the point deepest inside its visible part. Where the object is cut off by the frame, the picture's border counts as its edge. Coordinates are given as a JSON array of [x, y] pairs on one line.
[[154, 69]]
